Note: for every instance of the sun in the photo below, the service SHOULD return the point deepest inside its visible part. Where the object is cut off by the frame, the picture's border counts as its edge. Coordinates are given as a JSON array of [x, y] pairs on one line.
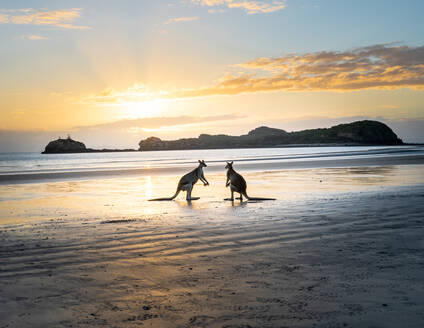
[[142, 109]]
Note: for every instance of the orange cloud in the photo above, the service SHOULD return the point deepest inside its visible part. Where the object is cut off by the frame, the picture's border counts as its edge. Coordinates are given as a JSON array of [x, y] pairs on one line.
[[63, 18], [250, 6], [181, 19], [374, 67], [134, 94], [160, 122], [4, 18], [33, 37]]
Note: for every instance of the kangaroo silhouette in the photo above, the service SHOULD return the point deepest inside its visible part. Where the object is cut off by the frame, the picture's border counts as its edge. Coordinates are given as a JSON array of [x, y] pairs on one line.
[[237, 184], [187, 183]]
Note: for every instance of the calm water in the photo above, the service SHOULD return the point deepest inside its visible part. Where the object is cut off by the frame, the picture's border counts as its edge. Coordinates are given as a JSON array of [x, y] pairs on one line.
[[118, 185], [35, 163]]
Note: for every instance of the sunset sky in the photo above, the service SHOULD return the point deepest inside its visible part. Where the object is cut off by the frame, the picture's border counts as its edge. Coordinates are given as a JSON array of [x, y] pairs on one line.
[[111, 73]]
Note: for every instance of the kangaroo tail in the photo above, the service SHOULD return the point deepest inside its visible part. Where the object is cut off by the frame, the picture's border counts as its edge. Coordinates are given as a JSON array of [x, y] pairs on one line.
[[165, 198], [160, 199], [256, 198]]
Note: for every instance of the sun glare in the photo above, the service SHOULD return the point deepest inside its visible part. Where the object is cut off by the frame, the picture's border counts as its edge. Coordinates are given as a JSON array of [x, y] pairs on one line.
[[141, 109]]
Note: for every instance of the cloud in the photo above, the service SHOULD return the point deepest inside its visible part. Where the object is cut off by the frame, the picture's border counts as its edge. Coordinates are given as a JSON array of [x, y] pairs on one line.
[[4, 18], [159, 122], [250, 6], [214, 11], [63, 18], [373, 67], [181, 19], [33, 37], [118, 134], [109, 97]]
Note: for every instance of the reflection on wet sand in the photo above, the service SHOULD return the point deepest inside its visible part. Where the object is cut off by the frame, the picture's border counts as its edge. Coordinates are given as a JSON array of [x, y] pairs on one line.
[[329, 251], [148, 187], [187, 204], [374, 175], [126, 197]]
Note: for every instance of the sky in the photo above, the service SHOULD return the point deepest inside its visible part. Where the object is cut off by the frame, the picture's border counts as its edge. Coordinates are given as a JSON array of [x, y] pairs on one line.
[[110, 73]]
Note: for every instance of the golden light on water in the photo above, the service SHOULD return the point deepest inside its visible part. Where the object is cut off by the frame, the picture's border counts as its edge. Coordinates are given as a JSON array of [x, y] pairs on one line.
[[93, 198], [148, 187]]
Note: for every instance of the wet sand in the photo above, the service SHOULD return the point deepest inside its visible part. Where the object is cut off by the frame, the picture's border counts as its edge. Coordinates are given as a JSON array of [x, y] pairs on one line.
[[341, 247], [254, 165]]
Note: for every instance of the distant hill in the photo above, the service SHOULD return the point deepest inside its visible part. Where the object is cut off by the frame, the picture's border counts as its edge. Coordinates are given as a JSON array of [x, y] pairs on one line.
[[356, 133], [68, 145]]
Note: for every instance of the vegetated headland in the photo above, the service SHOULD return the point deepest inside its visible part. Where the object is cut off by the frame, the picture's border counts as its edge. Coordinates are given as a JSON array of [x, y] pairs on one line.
[[356, 133], [365, 132]]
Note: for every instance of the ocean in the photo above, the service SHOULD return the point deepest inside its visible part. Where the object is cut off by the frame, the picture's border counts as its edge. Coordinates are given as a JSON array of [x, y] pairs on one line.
[[27, 167]]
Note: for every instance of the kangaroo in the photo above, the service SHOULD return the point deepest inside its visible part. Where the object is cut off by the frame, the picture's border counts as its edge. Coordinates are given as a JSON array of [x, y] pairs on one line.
[[187, 182], [238, 184]]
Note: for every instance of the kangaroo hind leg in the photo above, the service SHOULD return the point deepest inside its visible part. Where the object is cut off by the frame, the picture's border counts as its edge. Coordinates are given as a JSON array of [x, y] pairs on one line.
[[189, 190]]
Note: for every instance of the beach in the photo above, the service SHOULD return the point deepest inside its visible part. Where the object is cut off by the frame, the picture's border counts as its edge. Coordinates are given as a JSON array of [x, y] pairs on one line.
[[342, 246], [211, 164]]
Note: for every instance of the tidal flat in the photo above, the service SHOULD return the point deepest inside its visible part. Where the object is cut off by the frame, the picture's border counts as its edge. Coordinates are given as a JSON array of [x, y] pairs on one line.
[[340, 247]]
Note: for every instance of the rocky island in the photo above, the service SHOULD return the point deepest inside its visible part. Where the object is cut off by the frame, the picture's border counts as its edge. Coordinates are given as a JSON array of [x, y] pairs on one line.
[[357, 133], [68, 145]]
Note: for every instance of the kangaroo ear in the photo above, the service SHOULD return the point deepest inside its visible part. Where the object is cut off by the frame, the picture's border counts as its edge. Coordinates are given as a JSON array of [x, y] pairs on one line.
[[231, 162], [199, 161]]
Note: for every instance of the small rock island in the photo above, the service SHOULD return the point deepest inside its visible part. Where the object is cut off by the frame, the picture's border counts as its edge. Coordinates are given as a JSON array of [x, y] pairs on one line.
[[64, 146], [365, 132], [68, 145]]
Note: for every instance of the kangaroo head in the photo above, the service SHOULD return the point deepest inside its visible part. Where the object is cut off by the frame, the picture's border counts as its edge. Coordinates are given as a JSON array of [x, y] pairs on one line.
[[202, 163], [229, 165]]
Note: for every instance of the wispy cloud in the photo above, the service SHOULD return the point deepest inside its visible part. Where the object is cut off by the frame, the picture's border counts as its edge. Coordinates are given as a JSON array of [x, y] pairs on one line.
[[181, 19], [118, 134], [373, 67], [250, 6], [134, 94], [159, 122], [62, 18], [33, 37], [218, 10], [4, 18]]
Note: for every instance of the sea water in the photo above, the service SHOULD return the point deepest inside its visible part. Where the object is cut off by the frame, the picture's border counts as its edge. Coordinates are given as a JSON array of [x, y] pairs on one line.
[[40, 165]]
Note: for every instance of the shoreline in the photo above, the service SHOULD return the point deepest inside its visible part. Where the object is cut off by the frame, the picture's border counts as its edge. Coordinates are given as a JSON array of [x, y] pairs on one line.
[[263, 164]]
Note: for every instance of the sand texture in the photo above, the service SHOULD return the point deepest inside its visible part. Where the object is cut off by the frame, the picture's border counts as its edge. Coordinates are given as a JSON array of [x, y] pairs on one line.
[[341, 249]]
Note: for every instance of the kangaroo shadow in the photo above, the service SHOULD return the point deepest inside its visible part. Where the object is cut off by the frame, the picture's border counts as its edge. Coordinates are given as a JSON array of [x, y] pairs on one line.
[[187, 204], [236, 203]]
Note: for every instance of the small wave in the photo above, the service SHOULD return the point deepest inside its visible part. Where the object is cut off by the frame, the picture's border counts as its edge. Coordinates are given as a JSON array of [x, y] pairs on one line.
[[37, 166]]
